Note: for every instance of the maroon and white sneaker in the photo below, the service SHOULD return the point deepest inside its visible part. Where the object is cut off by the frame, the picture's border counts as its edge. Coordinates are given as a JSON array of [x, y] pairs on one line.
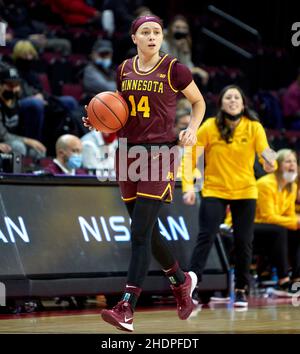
[[183, 295], [120, 316]]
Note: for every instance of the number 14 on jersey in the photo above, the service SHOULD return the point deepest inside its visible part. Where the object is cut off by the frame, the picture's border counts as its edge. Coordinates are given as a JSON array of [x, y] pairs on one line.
[[142, 106]]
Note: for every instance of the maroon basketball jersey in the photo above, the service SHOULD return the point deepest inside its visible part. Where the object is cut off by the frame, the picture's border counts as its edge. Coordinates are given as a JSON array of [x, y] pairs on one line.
[[151, 99]]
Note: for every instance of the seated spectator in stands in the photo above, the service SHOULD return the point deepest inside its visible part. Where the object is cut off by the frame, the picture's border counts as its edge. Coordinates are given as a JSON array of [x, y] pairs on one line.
[[98, 150], [23, 26], [291, 104], [10, 122], [123, 13], [276, 223], [98, 75], [75, 12], [183, 103], [68, 156], [178, 43], [34, 100], [120, 16], [5, 148], [183, 117]]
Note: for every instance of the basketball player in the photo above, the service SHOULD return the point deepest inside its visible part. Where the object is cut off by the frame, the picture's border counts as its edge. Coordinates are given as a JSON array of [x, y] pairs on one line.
[[230, 141], [150, 83]]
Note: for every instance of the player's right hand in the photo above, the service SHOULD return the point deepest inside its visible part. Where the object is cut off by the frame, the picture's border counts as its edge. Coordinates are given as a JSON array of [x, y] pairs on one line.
[[189, 198], [86, 121]]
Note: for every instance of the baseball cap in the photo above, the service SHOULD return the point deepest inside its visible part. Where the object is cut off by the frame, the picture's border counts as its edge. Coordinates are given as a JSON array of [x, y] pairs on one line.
[[8, 73]]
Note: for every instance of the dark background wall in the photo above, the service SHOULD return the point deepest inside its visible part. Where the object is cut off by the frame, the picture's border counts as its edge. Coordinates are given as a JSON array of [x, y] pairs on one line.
[[276, 60]]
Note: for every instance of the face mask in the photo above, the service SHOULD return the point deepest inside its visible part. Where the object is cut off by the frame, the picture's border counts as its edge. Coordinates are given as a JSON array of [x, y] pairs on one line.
[[289, 177], [231, 117], [74, 161], [180, 35], [8, 95], [104, 63]]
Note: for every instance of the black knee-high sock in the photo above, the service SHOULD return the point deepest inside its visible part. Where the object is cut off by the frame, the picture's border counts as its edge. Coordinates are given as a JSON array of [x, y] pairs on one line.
[[143, 218], [162, 253], [175, 274], [164, 256]]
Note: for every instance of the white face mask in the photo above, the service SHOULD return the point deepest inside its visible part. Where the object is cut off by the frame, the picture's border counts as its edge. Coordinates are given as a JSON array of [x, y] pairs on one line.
[[289, 177]]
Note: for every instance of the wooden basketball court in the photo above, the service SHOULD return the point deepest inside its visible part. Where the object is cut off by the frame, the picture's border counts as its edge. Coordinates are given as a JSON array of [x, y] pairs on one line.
[[262, 316]]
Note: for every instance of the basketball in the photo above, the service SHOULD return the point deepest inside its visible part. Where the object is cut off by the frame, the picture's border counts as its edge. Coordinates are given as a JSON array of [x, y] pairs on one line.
[[108, 112]]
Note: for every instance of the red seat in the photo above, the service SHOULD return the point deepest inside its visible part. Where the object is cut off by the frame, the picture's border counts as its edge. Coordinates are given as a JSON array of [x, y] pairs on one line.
[[50, 57], [45, 161], [74, 90], [45, 82]]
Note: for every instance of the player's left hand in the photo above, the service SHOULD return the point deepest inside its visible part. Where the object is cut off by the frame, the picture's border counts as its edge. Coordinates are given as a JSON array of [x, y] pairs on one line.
[[187, 137]]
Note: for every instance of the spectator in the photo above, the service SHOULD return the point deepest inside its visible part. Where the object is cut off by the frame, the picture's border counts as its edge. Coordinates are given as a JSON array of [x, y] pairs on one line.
[[291, 104], [34, 100], [10, 121], [183, 117], [276, 221], [22, 26], [178, 43], [121, 15], [118, 14], [75, 12], [25, 56], [230, 141], [97, 153], [98, 76], [68, 156]]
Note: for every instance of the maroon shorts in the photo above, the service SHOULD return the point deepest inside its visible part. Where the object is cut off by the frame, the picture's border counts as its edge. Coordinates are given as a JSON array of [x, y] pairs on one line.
[[151, 174]]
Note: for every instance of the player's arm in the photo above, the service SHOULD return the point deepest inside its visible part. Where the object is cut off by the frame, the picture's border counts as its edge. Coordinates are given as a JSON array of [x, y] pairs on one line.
[[188, 136]]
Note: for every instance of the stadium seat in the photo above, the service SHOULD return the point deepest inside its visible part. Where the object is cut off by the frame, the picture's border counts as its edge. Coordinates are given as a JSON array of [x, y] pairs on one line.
[[74, 90]]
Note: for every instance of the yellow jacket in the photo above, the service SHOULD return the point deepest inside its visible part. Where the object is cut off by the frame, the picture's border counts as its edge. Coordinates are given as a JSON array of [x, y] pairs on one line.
[[276, 206], [229, 172]]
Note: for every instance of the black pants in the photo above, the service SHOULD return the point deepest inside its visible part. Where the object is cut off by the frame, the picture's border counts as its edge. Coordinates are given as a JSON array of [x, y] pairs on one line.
[[211, 215], [281, 245], [294, 252], [272, 241], [146, 239]]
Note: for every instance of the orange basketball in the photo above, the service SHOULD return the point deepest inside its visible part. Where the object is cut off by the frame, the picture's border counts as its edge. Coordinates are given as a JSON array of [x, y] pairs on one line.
[[108, 112]]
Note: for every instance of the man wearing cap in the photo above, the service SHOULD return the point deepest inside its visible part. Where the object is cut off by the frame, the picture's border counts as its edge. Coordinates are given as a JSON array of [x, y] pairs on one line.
[[10, 124], [98, 75]]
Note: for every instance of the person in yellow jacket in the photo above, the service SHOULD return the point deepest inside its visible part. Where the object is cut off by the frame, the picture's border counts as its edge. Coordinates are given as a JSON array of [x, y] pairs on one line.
[[276, 220], [231, 141]]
